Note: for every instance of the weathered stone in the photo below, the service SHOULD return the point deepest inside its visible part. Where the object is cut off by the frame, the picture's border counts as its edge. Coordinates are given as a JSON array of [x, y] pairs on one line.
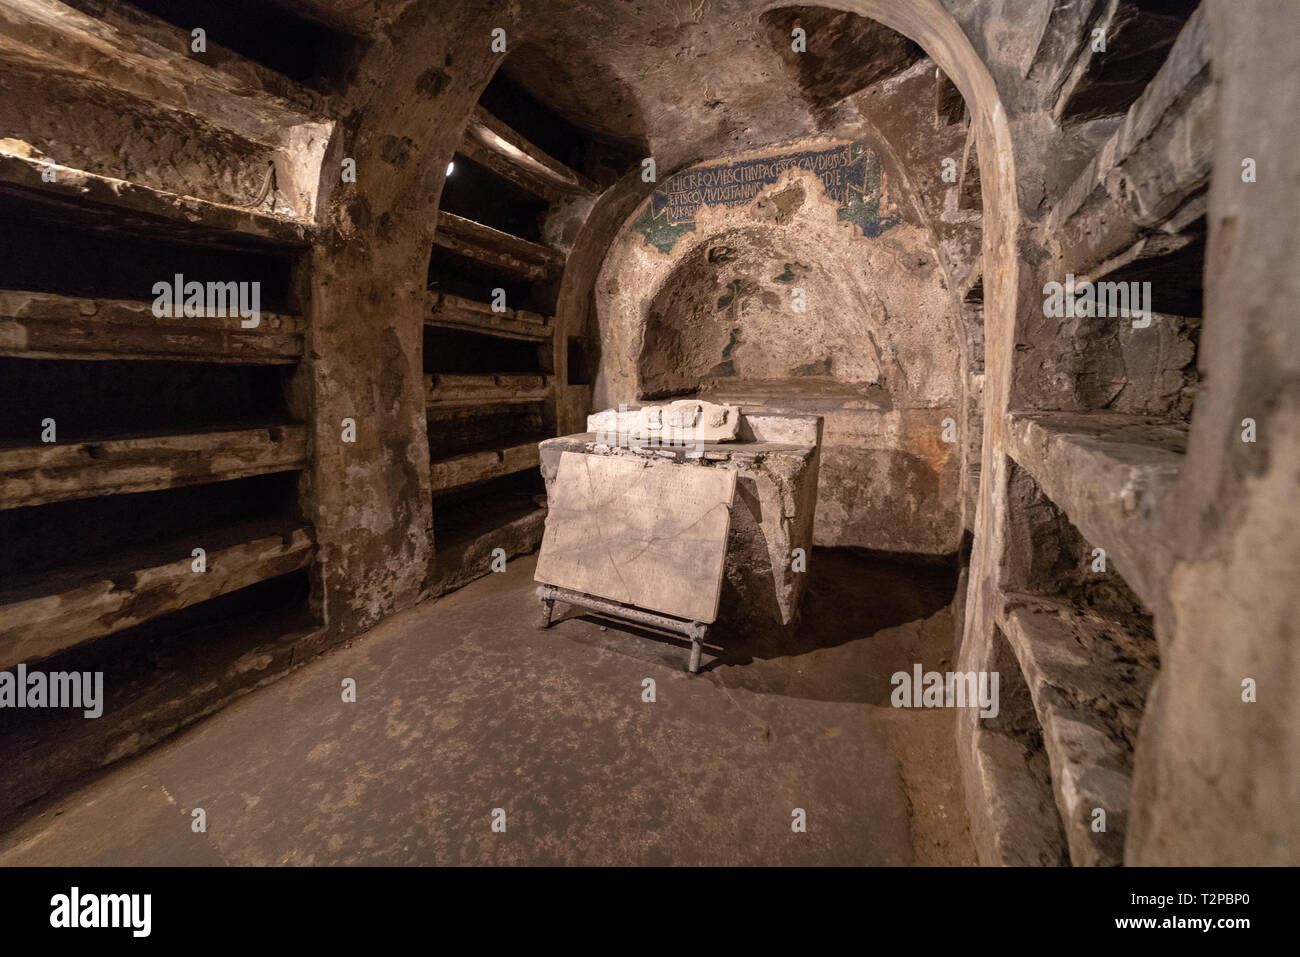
[[651, 535], [38, 474], [40, 617], [776, 503], [1111, 474], [684, 422], [1089, 679]]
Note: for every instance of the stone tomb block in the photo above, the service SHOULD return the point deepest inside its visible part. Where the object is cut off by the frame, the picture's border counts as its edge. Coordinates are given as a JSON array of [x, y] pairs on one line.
[[647, 533], [775, 461], [684, 422]]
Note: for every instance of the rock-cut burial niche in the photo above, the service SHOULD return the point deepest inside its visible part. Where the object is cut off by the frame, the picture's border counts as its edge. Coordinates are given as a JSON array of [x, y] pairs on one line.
[[746, 313], [815, 317]]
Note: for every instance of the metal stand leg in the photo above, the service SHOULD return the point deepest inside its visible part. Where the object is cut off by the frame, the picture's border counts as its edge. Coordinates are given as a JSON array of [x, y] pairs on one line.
[[547, 594], [697, 633]]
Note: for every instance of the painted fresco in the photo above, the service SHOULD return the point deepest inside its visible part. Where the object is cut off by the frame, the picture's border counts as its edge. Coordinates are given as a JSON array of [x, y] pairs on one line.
[[850, 175]]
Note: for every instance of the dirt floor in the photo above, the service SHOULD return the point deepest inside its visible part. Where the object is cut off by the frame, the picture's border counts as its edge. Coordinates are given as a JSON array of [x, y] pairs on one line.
[[463, 707]]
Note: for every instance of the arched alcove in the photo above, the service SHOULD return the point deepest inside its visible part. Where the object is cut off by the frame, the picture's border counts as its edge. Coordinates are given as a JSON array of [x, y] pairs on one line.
[[746, 313], [822, 293]]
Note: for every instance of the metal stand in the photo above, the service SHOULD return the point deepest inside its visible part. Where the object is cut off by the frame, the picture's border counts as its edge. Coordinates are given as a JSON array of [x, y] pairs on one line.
[[694, 630]]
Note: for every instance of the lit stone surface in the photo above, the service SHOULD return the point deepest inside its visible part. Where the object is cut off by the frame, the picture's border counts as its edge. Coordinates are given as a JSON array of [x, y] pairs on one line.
[[646, 533], [675, 423], [775, 465]]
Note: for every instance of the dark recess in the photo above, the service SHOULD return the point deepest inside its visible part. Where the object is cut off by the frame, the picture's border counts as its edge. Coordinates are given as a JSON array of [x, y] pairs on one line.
[[477, 193], [579, 373], [485, 428], [157, 676], [1177, 278], [63, 534], [299, 48], [1138, 40], [468, 512], [90, 399], [60, 254], [470, 353], [461, 276]]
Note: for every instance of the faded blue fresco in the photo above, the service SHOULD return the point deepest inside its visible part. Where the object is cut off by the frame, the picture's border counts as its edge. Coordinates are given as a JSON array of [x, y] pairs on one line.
[[850, 175]]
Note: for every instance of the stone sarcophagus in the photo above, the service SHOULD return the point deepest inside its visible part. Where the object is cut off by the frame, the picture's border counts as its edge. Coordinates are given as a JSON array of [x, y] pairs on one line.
[[775, 461]]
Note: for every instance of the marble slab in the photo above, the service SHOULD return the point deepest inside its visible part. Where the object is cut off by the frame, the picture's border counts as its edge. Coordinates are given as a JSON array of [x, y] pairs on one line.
[[684, 422], [647, 533]]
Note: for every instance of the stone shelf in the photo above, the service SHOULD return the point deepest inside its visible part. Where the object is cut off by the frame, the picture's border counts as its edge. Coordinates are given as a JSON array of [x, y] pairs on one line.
[[476, 465], [1148, 250], [209, 99], [466, 553], [827, 393], [496, 249], [47, 612], [1109, 473], [1134, 35], [1151, 174], [449, 391], [1089, 679], [40, 474], [491, 143], [103, 202], [164, 684], [456, 312], [151, 58], [40, 325]]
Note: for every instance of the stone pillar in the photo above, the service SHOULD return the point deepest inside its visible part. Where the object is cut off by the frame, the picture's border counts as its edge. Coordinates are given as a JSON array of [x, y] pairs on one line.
[[370, 498], [1217, 778]]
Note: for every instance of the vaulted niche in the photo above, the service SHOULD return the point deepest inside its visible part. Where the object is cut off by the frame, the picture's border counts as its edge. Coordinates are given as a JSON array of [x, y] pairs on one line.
[[812, 288], [725, 322]]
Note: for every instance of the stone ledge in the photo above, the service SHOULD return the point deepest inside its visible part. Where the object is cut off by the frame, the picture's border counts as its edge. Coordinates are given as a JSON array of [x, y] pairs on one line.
[[1110, 474], [1089, 679], [773, 512], [50, 612]]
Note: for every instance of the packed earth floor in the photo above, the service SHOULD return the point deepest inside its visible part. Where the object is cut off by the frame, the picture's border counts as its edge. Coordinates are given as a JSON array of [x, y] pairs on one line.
[[464, 710]]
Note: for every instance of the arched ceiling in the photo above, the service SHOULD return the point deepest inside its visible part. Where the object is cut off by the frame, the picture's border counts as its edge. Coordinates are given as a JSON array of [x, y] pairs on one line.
[[690, 79], [679, 80]]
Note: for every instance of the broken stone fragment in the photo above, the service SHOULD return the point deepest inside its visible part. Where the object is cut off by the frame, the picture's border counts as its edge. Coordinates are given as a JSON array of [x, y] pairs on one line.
[[684, 422]]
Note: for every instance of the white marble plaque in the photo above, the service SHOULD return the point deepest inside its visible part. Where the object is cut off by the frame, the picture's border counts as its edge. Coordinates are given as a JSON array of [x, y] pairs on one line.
[[684, 422], [647, 533]]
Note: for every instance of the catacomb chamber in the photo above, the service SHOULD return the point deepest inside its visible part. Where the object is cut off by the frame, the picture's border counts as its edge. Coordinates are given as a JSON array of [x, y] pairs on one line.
[[462, 254]]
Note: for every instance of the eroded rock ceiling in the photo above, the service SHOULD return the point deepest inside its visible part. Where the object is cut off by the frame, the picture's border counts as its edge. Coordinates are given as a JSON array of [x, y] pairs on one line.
[[680, 80]]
